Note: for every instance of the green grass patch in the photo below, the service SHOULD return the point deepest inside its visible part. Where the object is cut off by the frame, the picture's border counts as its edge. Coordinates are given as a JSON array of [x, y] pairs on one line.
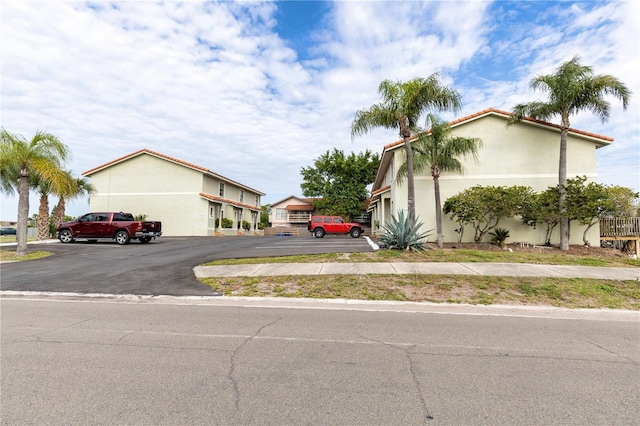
[[9, 255], [560, 292], [542, 257]]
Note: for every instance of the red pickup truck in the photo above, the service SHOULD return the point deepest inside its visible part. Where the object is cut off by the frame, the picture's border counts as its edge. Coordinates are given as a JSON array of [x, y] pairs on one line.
[[120, 226], [321, 225]]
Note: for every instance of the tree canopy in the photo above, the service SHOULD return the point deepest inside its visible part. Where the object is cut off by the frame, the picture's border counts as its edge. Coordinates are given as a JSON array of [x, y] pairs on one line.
[[340, 181]]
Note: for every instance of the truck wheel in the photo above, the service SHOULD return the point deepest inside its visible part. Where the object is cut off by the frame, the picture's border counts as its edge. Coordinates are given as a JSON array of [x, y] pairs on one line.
[[122, 237], [65, 236], [355, 232], [145, 240], [318, 233]]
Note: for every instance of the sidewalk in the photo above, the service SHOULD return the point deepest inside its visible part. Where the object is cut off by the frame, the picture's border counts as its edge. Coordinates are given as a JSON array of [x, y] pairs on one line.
[[431, 268]]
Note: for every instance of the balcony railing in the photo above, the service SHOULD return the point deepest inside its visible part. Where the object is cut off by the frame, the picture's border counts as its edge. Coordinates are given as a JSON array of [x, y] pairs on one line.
[[619, 227], [299, 217]]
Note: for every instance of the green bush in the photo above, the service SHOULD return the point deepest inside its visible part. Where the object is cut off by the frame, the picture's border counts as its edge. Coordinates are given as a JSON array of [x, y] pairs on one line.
[[499, 236]]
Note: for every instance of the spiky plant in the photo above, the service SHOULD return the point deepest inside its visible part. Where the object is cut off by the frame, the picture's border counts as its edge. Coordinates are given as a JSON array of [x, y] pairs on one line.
[[403, 233], [499, 236]]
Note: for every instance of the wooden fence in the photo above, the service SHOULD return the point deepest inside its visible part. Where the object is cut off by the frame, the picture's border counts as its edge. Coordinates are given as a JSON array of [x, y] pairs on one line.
[[283, 231]]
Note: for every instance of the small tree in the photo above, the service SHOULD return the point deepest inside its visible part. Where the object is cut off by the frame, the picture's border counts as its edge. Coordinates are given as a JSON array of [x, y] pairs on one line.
[[586, 203], [543, 209], [484, 206], [264, 216]]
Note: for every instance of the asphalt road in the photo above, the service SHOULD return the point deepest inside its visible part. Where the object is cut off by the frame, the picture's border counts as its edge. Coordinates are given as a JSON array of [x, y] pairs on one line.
[[176, 363], [163, 266]]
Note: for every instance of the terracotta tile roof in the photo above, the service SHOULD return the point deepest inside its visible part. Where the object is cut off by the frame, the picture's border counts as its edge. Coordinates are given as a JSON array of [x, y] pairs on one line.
[[228, 201], [489, 111], [379, 190], [168, 158], [304, 207]]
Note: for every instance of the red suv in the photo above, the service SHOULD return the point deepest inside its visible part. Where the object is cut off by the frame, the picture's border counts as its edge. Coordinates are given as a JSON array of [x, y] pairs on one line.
[[321, 225]]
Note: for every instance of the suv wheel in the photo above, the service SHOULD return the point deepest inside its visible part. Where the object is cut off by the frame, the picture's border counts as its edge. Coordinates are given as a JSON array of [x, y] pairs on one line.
[[355, 232], [318, 233]]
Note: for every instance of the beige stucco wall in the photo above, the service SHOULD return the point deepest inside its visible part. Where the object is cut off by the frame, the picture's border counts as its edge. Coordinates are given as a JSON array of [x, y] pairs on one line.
[[160, 189], [517, 155], [168, 192]]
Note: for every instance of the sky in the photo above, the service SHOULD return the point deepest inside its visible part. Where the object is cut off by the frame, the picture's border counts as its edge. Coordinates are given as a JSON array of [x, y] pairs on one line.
[[257, 90]]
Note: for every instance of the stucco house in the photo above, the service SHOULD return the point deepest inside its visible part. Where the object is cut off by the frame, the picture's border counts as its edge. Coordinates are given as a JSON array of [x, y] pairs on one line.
[[291, 212], [190, 200], [523, 154]]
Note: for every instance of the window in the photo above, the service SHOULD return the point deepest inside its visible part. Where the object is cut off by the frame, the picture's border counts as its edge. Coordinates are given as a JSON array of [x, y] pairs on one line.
[[257, 201], [120, 217], [241, 196], [327, 220], [337, 220], [281, 213], [221, 189]]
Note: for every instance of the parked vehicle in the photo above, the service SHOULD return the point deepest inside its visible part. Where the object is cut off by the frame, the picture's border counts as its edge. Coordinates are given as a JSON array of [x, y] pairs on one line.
[[7, 231], [319, 226], [120, 226]]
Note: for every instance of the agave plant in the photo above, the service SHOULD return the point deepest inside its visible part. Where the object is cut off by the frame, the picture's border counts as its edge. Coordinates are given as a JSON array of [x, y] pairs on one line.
[[499, 236], [402, 233]]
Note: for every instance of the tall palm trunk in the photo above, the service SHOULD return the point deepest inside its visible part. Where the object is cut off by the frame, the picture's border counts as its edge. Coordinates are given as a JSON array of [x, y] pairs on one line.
[[435, 172], [23, 213], [405, 133], [58, 212], [43, 218], [562, 183]]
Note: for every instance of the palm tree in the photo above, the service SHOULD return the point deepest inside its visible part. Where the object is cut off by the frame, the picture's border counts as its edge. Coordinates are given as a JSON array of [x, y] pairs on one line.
[[59, 183], [79, 187], [402, 105], [572, 89], [44, 155], [437, 150]]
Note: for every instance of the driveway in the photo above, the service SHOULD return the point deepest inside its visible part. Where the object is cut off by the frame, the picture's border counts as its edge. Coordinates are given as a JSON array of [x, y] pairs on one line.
[[164, 266]]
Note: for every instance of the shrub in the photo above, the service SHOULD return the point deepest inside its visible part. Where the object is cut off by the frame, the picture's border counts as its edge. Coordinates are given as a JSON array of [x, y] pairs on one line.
[[403, 234], [499, 236]]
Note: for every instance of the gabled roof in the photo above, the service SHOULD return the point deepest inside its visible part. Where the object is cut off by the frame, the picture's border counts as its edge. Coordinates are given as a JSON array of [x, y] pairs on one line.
[[599, 140], [146, 151], [305, 201], [228, 201]]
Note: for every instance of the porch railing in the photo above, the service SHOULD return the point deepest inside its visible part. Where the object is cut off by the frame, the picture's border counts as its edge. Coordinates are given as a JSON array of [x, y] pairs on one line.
[[620, 227], [299, 217]]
